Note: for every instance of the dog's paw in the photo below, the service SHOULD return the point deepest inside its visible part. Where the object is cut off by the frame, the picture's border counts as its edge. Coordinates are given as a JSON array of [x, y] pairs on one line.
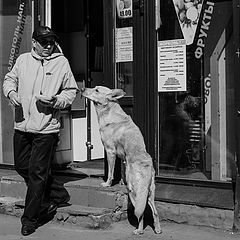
[[105, 184], [121, 182], [158, 230], [138, 232]]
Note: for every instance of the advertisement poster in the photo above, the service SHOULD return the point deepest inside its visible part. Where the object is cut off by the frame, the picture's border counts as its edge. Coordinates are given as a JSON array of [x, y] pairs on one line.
[[124, 8], [124, 44], [188, 13], [172, 66]]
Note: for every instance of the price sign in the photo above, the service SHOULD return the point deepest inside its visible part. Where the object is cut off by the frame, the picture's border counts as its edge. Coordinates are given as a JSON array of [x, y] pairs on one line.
[[172, 66], [124, 8]]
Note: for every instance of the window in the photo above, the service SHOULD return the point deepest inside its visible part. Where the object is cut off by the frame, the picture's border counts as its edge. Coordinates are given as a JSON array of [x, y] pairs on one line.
[[196, 125]]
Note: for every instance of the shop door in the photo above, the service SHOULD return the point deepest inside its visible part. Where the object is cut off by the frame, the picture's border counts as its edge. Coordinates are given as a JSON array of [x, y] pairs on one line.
[[79, 25]]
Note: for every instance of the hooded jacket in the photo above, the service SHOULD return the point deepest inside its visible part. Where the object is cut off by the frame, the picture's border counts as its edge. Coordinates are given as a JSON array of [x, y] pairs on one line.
[[32, 76]]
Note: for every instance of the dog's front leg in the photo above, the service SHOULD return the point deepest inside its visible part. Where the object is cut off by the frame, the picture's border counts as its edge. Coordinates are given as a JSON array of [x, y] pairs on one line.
[[111, 158]]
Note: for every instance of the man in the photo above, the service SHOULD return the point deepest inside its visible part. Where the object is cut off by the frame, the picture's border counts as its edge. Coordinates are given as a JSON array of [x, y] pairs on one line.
[[38, 86]]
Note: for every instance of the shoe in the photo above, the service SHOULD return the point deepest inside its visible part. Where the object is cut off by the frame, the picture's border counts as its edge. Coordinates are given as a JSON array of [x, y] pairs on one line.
[[52, 208], [27, 230], [44, 219]]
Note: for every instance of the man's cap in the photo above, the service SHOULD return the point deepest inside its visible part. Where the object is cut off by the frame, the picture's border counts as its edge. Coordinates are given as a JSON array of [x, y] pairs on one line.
[[44, 32]]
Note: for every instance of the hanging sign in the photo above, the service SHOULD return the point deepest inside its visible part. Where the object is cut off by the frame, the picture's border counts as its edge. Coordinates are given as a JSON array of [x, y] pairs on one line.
[[124, 44], [188, 13], [203, 32], [124, 8], [172, 66]]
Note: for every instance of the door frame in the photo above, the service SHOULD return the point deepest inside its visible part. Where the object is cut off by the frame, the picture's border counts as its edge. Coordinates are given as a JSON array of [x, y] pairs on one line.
[[236, 32]]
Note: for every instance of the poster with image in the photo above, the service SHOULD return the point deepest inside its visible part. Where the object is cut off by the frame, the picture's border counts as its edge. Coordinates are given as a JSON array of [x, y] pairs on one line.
[[188, 14]]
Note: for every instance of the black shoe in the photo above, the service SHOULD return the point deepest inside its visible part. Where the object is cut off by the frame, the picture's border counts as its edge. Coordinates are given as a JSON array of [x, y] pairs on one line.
[[27, 230], [52, 208], [44, 219]]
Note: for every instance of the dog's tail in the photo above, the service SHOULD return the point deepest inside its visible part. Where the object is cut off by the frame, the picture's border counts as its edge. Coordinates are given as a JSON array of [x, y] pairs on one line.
[[139, 200]]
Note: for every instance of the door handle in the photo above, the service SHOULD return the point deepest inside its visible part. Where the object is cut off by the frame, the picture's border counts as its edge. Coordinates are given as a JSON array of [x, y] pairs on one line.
[[238, 53]]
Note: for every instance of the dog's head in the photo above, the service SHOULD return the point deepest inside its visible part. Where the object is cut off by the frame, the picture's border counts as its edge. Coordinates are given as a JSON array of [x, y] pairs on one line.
[[102, 95]]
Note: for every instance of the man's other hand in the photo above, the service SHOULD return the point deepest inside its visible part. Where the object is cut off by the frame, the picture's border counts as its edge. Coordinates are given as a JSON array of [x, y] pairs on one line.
[[14, 99]]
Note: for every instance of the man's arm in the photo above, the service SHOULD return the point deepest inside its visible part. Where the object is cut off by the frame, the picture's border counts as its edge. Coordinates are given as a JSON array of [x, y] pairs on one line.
[[10, 85], [68, 93]]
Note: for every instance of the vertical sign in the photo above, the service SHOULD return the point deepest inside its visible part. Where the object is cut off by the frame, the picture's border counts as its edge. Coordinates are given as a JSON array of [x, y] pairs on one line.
[[124, 44], [207, 101], [124, 8], [172, 66]]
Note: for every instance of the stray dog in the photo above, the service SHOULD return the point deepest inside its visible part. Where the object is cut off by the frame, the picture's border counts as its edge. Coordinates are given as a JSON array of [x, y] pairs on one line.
[[122, 138]]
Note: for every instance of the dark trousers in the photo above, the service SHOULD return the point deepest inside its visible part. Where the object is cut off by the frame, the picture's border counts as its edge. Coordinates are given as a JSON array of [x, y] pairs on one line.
[[33, 154]]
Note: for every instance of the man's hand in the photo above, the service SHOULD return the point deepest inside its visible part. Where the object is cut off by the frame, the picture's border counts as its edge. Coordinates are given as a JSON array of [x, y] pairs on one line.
[[14, 99], [46, 101]]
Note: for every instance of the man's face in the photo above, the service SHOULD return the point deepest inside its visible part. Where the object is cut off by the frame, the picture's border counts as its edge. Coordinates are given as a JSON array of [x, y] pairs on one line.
[[44, 47]]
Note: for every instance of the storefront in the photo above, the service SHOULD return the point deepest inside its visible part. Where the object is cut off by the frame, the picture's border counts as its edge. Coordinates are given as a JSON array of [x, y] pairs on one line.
[[178, 62]]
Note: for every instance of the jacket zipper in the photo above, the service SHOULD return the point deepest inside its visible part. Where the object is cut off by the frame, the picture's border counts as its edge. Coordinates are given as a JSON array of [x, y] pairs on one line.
[[42, 61], [30, 103]]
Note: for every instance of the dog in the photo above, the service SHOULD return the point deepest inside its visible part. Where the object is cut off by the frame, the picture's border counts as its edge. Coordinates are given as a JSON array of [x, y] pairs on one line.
[[121, 137]]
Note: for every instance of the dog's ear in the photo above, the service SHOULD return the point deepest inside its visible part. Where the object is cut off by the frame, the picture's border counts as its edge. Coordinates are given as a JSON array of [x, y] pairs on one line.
[[116, 94]]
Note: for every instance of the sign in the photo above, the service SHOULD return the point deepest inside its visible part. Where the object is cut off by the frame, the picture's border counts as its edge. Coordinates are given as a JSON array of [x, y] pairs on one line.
[[124, 44], [207, 101], [124, 8], [172, 66], [23, 19], [188, 13], [203, 32]]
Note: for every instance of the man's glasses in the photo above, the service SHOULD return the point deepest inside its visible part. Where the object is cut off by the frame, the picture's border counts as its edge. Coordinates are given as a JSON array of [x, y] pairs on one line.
[[45, 43]]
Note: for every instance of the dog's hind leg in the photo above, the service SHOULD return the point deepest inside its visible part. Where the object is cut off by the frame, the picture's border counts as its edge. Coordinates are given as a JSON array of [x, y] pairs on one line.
[[139, 206], [151, 197], [111, 158]]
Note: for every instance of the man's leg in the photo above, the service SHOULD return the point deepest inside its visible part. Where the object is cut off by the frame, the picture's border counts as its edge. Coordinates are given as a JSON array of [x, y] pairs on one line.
[[56, 192], [43, 148], [22, 145]]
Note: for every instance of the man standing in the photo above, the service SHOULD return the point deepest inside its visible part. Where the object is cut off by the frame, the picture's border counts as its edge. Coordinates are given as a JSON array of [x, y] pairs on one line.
[[38, 86]]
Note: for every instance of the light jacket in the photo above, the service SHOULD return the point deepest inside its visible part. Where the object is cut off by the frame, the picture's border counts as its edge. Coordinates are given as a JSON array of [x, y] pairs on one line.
[[33, 75]]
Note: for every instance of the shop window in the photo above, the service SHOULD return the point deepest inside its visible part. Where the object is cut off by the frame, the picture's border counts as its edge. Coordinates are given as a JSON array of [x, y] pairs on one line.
[[196, 128]]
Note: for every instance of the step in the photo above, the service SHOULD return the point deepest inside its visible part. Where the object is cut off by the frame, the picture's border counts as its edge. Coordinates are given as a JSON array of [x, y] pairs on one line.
[[87, 192], [88, 217]]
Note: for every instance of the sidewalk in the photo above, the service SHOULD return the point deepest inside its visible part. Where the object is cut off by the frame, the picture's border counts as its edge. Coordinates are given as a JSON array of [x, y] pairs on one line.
[[10, 230]]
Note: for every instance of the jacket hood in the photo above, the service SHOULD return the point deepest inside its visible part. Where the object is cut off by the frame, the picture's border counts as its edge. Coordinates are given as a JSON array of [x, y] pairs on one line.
[[57, 52]]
